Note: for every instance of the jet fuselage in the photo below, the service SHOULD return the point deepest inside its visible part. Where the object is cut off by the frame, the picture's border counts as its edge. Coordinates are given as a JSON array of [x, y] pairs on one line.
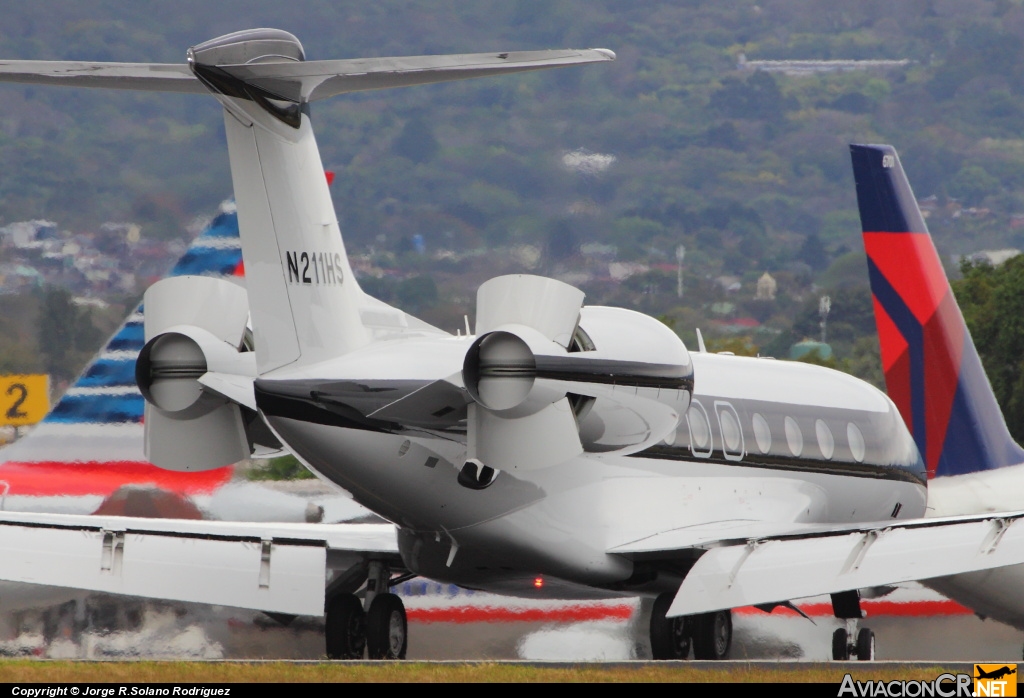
[[762, 440]]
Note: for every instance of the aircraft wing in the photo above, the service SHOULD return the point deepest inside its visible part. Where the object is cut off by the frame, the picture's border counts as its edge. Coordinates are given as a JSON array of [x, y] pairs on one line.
[[811, 560], [268, 567]]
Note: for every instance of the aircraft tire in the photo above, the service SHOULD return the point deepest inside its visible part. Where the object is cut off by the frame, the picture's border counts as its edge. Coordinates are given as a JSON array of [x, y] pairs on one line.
[[387, 628], [670, 637], [712, 635], [865, 645], [840, 645], [345, 627]]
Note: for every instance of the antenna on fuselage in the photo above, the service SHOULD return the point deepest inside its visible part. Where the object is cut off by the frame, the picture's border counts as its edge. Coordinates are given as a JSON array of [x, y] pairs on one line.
[[700, 343]]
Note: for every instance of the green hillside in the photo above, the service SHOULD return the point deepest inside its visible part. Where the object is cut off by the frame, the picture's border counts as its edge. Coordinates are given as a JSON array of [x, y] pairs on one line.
[[749, 170]]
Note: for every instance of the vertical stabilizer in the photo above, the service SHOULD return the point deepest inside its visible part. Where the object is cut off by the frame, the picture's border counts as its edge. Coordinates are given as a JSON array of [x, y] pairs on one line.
[[303, 296], [932, 369]]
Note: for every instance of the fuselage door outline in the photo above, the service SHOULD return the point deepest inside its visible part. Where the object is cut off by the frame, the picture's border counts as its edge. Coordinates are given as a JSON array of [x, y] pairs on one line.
[[731, 429]]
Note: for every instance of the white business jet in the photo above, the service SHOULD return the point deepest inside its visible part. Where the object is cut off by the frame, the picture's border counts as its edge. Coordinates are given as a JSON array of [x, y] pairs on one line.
[[561, 450]]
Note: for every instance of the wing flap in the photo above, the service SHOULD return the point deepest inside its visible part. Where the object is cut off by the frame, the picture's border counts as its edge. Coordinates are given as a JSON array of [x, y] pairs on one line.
[[771, 570], [268, 567]]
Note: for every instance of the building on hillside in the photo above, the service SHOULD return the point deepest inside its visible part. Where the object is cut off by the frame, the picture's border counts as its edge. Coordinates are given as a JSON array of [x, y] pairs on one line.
[[766, 288]]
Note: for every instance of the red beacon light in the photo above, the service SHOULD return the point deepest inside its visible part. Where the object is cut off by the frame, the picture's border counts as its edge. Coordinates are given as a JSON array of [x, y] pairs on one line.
[[538, 583]]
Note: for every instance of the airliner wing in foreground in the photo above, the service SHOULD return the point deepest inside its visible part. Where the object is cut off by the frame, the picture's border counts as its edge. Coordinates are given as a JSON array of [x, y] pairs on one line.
[[562, 450]]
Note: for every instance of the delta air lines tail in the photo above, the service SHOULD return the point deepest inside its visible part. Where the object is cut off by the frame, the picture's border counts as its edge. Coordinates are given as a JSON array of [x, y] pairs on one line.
[[932, 369]]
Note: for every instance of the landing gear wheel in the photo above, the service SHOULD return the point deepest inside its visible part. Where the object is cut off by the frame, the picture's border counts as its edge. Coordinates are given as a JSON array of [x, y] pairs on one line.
[[840, 645], [670, 637], [712, 635], [345, 627], [865, 645], [386, 628]]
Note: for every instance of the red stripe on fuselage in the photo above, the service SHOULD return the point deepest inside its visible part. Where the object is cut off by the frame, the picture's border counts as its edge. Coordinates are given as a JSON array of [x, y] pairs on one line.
[[47, 479], [578, 613], [497, 614], [937, 607]]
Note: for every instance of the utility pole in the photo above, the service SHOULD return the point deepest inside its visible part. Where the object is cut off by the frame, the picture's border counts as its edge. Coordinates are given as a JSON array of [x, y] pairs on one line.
[[824, 305], [680, 254]]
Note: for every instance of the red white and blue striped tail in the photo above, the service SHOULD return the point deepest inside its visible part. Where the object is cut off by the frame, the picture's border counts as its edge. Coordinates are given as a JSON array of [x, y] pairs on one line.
[[91, 442]]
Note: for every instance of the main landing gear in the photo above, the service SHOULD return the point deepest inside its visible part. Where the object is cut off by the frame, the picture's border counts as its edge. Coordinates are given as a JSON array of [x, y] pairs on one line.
[[710, 634], [851, 642], [378, 625]]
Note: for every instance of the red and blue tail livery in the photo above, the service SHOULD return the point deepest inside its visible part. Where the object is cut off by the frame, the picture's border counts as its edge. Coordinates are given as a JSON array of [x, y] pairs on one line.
[[91, 443], [932, 370]]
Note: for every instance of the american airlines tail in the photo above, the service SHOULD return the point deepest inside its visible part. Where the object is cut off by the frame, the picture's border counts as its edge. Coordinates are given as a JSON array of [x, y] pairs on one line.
[[91, 442], [932, 370], [88, 453]]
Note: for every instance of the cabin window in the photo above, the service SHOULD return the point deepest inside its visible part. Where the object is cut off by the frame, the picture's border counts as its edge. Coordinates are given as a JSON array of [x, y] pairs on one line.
[[856, 440], [762, 433], [670, 438], [794, 438], [826, 442], [700, 430]]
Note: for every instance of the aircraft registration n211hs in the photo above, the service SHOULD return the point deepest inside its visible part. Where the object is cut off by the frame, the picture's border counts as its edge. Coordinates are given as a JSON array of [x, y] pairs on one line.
[[562, 450]]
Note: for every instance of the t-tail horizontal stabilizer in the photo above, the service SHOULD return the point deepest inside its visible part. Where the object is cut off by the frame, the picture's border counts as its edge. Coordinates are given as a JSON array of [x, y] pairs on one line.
[[932, 369], [304, 300]]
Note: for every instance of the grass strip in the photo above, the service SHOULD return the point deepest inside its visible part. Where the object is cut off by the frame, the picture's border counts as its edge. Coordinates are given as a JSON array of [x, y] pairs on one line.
[[35, 671]]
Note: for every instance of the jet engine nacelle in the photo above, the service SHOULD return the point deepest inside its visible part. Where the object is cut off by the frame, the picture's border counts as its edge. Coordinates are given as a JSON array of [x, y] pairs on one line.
[[550, 379], [500, 371], [642, 380], [196, 372], [171, 364]]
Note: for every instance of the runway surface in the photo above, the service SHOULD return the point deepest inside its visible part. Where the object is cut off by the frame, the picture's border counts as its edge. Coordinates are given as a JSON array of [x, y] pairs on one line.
[[450, 624]]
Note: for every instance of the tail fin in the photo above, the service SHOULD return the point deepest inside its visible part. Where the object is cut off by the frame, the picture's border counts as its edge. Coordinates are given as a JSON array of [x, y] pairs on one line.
[[303, 297], [932, 369], [91, 442], [304, 301]]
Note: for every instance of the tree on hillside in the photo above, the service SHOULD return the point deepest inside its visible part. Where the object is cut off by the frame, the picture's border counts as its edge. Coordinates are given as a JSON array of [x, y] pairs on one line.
[[416, 141], [992, 301], [63, 331], [758, 97]]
